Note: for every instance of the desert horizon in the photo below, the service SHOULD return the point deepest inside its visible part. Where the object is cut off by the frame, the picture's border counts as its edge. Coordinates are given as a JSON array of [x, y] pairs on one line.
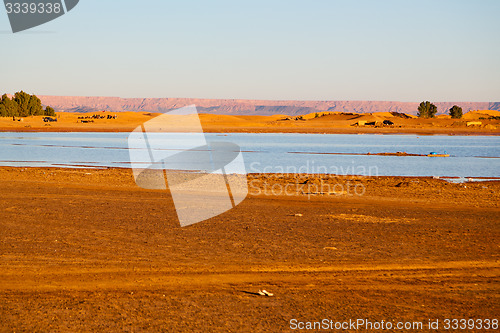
[[250, 166], [248, 107], [480, 122]]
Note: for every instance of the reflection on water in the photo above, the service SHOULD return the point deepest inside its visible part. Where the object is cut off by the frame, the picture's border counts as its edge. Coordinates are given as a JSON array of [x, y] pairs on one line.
[[471, 156]]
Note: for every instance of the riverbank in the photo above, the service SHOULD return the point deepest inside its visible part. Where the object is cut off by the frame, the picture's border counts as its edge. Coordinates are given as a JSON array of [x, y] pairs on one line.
[[332, 123], [86, 249]]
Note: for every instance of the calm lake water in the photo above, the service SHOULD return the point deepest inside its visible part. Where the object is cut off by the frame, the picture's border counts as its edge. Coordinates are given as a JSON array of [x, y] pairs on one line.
[[471, 156]]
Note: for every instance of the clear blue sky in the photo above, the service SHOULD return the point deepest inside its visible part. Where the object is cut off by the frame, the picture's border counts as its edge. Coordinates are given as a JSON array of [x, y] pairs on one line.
[[438, 50]]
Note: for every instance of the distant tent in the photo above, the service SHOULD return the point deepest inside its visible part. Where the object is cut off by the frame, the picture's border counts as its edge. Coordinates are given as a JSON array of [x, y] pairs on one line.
[[388, 122]]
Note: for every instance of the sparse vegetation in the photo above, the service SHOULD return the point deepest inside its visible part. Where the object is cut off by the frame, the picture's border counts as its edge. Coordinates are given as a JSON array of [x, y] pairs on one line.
[[323, 114], [23, 105], [49, 111], [456, 112], [426, 110], [400, 115]]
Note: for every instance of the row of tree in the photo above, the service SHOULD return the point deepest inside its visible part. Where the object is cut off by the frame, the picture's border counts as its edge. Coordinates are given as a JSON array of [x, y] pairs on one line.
[[429, 110], [23, 105]]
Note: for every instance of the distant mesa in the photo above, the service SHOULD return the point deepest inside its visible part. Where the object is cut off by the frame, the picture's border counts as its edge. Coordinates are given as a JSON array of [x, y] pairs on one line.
[[248, 107]]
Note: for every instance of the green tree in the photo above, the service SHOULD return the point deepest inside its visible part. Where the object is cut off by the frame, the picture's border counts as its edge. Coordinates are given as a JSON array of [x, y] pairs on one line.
[[49, 112], [456, 112], [35, 106], [23, 100], [426, 110], [23, 105], [11, 106]]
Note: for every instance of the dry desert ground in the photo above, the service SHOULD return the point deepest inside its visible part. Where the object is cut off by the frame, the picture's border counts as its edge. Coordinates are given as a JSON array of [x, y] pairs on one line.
[[87, 250]]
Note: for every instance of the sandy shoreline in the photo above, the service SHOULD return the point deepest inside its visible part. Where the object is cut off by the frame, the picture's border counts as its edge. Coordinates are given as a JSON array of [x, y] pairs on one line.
[[86, 249]]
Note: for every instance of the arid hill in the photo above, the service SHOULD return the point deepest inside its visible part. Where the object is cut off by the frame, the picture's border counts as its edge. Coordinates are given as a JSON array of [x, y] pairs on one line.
[[246, 107]]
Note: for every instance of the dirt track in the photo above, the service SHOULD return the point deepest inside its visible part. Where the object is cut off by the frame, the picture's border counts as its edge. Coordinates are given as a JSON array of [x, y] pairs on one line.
[[88, 250]]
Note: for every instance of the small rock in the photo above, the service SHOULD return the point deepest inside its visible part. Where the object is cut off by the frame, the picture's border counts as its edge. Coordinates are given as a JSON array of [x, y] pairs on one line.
[[298, 215], [265, 293]]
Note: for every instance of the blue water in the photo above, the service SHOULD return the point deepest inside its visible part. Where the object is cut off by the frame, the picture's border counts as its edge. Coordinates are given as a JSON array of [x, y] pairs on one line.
[[471, 156]]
